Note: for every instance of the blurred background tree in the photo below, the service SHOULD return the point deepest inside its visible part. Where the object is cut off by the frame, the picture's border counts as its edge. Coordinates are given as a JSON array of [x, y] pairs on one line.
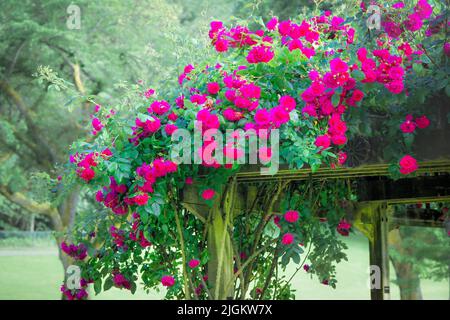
[[117, 44]]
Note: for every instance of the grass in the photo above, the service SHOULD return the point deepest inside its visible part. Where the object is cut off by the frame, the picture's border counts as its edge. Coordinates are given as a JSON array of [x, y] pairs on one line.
[[36, 273]]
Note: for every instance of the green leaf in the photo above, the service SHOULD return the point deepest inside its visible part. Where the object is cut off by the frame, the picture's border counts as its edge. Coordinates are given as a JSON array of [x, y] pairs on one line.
[[97, 286], [108, 284], [447, 90], [418, 68], [358, 75], [133, 287], [296, 258], [144, 216], [335, 99], [156, 209]]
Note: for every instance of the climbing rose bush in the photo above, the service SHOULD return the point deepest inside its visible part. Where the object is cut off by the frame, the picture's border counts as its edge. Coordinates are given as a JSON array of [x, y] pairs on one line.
[[305, 78]]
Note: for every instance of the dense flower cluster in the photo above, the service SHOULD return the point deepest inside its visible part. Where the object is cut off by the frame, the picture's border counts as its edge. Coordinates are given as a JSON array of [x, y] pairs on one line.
[[239, 36], [387, 69], [76, 294], [138, 235], [120, 281], [85, 165], [78, 252], [113, 197], [410, 124], [118, 237], [394, 25], [148, 174]]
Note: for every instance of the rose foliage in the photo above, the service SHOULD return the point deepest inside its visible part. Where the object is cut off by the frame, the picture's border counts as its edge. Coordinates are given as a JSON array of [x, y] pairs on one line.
[[311, 78]]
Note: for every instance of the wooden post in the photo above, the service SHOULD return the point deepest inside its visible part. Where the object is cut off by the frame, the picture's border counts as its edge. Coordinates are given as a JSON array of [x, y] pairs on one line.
[[218, 220], [220, 256], [220, 246], [379, 256]]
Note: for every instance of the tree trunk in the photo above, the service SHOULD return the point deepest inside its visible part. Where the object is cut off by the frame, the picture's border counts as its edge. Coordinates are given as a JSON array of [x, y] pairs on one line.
[[407, 279]]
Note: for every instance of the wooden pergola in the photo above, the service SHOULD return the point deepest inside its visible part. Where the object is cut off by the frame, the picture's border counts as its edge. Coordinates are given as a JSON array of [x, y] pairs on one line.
[[376, 192]]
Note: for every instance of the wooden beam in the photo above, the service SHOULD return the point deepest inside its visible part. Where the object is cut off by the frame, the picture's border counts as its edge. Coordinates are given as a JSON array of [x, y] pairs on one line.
[[436, 187], [251, 173]]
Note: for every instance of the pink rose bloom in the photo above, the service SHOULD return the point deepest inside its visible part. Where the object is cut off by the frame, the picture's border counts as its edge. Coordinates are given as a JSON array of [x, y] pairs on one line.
[[179, 101], [288, 103], [396, 87], [423, 9], [106, 153], [208, 194], [87, 174], [358, 95], [189, 180], [194, 263], [188, 68], [408, 165], [99, 196], [343, 228], [149, 93], [216, 25], [342, 157], [447, 49], [262, 117], [272, 24], [121, 282], [279, 116], [159, 107], [170, 129], [339, 139], [167, 281], [260, 54], [97, 124], [323, 141], [230, 95], [398, 5], [414, 22], [232, 115], [287, 239], [408, 126], [198, 98], [291, 216], [422, 122], [221, 45], [338, 66], [141, 199], [172, 117], [213, 88], [284, 27]]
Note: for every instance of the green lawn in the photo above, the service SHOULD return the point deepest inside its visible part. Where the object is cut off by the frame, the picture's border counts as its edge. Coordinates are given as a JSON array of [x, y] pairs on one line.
[[36, 273]]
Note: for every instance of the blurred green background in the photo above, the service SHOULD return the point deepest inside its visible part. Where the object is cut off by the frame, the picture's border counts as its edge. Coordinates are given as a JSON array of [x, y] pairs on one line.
[[30, 269]]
